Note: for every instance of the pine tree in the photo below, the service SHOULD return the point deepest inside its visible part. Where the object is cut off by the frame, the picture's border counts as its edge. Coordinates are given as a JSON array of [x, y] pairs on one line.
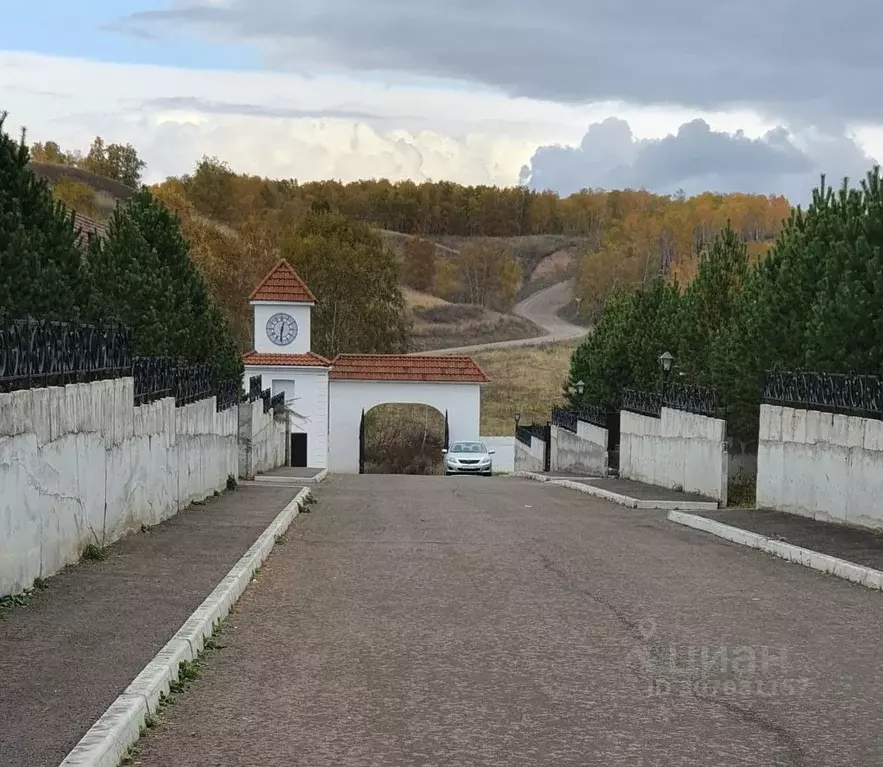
[[41, 272], [144, 277]]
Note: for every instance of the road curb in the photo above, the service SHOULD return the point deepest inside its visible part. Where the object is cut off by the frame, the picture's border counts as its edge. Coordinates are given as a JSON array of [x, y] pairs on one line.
[[622, 500], [825, 563], [119, 727]]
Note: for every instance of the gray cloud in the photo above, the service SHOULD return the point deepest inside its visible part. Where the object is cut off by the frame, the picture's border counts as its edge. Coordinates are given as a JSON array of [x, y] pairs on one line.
[[255, 110], [695, 160], [809, 59]]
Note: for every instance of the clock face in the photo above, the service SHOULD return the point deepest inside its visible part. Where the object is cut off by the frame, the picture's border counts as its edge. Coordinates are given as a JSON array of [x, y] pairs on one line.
[[281, 329]]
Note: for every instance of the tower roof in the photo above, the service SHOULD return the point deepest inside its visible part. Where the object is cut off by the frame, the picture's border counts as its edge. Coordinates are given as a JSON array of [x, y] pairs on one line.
[[282, 283]]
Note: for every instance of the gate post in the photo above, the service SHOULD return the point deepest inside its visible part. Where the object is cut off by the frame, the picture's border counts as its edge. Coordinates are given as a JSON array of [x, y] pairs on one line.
[[362, 443], [547, 441], [447, 433]]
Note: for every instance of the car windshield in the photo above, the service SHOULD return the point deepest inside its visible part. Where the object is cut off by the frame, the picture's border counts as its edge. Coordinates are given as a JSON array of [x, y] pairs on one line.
[[468, 447]]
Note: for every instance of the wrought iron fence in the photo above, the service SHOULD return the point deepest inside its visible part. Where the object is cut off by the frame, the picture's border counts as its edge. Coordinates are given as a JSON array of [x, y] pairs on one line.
[[227, 394], [192, 383], [277, 401], [48, 353], [566, 419], [254, 388], [523, 435], [692, 399], [643, 402], [267, 397], [843, 393], [594, 414], [154, 379]]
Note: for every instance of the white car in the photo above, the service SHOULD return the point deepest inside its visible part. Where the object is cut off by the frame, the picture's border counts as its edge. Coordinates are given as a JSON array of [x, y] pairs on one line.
[[468, 458]]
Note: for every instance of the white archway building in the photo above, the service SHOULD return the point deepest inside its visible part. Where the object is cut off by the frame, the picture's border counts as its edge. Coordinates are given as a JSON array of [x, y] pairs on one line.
[[328, 397]]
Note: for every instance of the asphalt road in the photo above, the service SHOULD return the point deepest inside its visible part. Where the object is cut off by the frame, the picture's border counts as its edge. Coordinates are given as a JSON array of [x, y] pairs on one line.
[[542, 308], [468, 621]]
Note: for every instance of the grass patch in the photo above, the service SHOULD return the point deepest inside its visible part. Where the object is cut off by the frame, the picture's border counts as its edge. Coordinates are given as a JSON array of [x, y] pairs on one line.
[[22, 599], [94, 553], [526, 380], [742, 491]]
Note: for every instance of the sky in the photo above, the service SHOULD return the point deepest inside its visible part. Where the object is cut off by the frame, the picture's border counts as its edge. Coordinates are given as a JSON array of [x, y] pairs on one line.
[[684, 95]]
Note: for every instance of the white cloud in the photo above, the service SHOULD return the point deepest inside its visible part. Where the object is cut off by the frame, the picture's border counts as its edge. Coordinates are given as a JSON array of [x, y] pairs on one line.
[[315, 127]]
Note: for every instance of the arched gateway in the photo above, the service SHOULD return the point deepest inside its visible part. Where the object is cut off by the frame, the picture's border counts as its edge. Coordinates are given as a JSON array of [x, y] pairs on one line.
[[328, 397]]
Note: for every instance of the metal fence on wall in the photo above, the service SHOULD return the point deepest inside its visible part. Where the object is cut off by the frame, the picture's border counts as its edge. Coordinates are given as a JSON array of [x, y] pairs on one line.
[[35, 353], [40, 353], [843, 393]]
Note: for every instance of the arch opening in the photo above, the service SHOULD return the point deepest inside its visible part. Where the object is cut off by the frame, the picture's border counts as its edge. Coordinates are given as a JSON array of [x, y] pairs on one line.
[[403, 438]]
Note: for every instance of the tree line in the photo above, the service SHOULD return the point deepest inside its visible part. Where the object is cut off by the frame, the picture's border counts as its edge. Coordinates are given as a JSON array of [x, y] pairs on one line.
[[814, 303]]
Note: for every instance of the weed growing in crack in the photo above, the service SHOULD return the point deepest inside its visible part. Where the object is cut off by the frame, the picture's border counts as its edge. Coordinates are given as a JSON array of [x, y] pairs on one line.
[[232, 484], [94, 553]]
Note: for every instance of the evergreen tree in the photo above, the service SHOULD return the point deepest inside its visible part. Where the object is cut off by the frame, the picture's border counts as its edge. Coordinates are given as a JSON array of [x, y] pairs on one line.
[[41, 272], [844, 331], [624, 349], [143, 276], [709, 302]]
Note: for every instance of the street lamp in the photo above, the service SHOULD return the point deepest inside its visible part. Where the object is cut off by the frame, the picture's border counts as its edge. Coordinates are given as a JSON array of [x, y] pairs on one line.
[[665, 362], [517, 419]]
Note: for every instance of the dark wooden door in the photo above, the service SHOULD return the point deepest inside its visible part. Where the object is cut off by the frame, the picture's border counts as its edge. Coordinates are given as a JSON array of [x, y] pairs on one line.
[[299, 449]]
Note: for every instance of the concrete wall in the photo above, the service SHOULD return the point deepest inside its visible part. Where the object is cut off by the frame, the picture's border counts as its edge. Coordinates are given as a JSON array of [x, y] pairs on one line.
[[262, 439], [529, 458], [80, 464], [462, 401], [504, 458], [678, 449], [582, 453], [820, 465]]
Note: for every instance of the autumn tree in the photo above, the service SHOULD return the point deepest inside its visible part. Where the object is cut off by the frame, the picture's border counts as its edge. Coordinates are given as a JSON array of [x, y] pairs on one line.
[[211, 188], [51, 153], [489, 274], [41, 266], [116, 161], [76, 195], [356, 280], [418, 264]]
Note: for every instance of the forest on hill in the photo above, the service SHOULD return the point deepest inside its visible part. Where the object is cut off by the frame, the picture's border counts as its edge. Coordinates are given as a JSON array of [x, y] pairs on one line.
[[238, 224]]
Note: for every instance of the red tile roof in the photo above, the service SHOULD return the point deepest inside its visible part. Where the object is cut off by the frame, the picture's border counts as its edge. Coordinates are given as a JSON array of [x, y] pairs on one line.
[[88, 228], [402, 367], [310, 359], [282, 284]]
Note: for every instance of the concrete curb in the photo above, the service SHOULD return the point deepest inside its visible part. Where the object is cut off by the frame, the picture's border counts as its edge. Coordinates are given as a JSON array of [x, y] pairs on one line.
[[622, 500], [266, 479], [118, 728], [825, 563]]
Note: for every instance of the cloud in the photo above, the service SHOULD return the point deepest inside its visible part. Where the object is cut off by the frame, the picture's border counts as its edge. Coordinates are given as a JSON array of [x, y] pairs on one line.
[[695, 159], [286, 125], [774, 57]]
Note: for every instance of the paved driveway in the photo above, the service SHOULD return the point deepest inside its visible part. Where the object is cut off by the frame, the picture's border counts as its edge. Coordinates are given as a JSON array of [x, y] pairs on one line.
[[468, 621]]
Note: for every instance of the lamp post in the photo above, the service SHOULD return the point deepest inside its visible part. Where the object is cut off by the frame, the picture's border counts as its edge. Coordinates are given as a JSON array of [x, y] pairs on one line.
[[517, 419], [665, 362], [577, 389]]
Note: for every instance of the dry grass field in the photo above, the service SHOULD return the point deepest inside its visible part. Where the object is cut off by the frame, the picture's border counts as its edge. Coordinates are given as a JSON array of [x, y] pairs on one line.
[[439, 324], [526, 380]]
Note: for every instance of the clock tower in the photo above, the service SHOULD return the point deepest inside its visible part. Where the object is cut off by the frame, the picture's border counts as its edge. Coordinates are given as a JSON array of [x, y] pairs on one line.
[[282, 305]]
